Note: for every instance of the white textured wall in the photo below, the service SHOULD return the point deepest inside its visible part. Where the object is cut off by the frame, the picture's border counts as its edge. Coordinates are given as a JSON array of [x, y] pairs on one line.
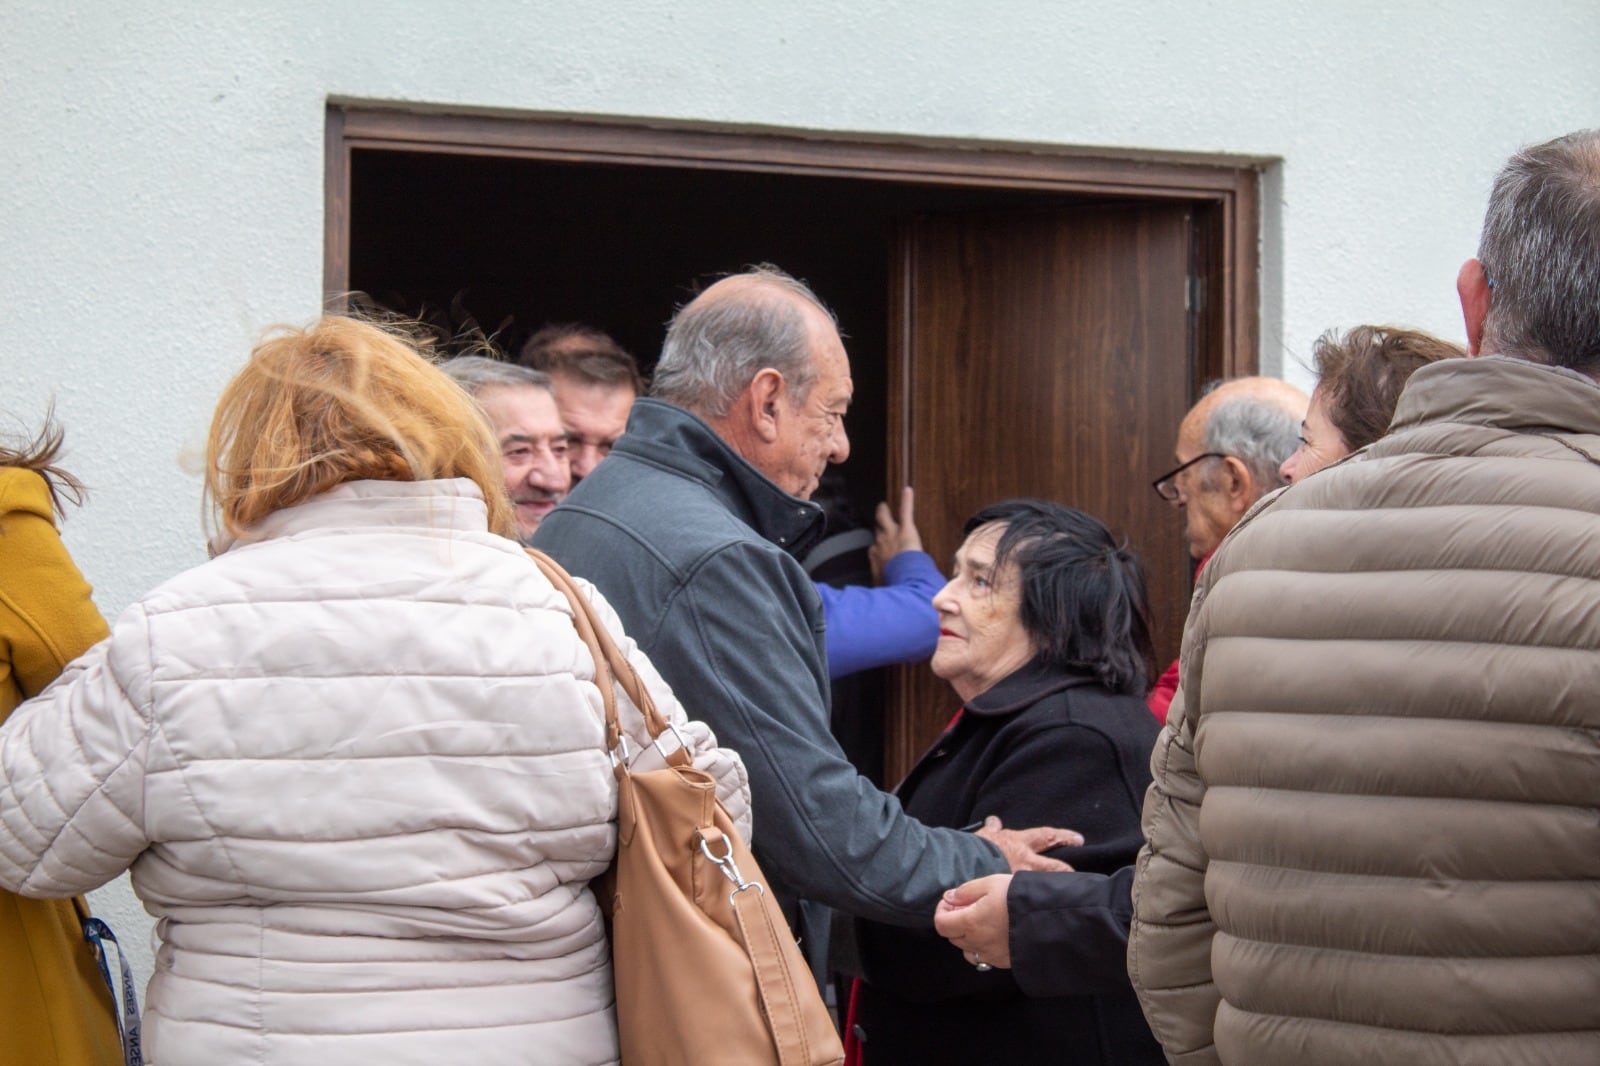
[[161, 163]]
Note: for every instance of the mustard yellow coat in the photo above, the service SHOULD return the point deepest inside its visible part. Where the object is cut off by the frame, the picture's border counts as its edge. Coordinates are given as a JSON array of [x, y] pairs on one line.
[[55, 1009]]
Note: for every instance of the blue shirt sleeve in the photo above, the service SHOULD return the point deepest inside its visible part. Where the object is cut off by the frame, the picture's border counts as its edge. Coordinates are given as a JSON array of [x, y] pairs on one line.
[[891, 623]]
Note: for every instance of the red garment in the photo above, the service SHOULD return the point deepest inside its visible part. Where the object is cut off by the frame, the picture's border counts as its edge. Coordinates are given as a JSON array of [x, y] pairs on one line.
[[852, 1043], [1160, 698]]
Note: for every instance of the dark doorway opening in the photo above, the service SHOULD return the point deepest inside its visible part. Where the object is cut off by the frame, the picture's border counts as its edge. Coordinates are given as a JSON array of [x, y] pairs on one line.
[[519, 243], [524, 220]]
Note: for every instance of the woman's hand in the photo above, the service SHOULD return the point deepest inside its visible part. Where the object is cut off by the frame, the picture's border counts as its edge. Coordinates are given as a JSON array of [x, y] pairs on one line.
[[974, 918]]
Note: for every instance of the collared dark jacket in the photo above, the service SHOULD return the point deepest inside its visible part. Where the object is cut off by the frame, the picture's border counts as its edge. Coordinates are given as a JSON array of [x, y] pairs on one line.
[[1042, 747], [692, 546]]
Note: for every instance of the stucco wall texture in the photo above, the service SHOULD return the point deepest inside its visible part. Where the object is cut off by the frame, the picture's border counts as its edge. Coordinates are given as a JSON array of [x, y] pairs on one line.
[[162, 165]]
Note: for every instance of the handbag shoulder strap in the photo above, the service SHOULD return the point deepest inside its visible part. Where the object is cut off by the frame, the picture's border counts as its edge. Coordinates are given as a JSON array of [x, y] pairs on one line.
[[783, 999], [610, 664]]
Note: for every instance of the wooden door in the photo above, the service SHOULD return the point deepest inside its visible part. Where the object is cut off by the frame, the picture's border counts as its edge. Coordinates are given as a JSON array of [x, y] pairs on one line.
[[1040, 353]]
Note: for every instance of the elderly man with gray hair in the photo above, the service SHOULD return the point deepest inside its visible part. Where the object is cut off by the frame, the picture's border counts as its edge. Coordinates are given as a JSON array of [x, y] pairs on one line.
[[521, 407], [1230, 447], [691, 529]]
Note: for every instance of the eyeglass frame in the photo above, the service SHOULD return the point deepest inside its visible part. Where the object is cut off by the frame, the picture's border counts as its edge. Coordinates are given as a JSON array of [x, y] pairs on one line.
[[1167, 478]]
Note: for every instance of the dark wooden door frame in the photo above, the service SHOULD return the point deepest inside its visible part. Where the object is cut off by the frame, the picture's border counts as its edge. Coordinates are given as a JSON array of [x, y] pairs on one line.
[[1222, 189]]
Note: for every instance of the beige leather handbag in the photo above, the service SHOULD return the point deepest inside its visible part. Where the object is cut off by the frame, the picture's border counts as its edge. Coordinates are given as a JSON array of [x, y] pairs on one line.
[[705, 967]]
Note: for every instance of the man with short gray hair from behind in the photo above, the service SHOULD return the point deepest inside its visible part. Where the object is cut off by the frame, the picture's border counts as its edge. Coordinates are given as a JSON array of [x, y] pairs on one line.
[[1230, 446], [1374, 828], [521, 408], [691, 530]]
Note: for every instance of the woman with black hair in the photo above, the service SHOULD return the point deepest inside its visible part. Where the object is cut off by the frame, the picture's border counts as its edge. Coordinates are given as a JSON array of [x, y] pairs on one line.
[[1044, 634]]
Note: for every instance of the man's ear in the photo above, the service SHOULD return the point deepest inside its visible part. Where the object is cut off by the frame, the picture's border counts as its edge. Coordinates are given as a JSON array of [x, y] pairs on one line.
[[1238, 484], [765, 397], [1472, 285]]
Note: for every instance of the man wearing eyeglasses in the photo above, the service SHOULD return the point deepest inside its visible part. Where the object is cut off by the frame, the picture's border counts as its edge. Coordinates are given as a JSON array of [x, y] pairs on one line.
[[1230, 446]]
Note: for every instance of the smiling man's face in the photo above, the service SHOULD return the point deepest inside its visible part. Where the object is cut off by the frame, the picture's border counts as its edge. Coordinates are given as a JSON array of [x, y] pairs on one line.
[[533, 450]]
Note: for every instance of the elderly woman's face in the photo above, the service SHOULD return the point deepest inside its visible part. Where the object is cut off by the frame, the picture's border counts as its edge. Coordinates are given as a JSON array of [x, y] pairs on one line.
[[981, 638], [1320, 443]]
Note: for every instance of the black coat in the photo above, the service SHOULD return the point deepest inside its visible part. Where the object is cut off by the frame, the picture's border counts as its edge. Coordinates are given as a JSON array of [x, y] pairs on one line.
[[1042, 747]]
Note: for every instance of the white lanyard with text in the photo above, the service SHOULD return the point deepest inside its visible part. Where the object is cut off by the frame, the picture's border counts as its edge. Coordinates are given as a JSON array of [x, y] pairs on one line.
[[98, 933]]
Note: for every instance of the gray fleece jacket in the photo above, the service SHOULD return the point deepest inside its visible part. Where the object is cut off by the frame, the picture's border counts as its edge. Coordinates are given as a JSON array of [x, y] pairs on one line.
[[694, 548]]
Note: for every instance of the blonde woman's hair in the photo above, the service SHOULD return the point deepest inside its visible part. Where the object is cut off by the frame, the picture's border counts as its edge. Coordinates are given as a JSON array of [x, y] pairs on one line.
[[343, 400]]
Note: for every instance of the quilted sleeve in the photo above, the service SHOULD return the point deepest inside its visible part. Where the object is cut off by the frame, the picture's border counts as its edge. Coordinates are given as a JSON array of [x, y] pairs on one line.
[[1169, 945], [724, 765], [72, 765]]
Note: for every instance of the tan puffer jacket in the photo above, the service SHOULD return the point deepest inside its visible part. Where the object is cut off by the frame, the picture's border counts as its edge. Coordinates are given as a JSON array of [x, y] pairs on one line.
[[1374, 830], [356, 766]]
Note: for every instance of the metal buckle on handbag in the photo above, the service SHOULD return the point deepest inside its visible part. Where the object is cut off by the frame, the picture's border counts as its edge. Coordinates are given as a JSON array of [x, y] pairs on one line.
[[619, 754], [684, 744], [729, 868]]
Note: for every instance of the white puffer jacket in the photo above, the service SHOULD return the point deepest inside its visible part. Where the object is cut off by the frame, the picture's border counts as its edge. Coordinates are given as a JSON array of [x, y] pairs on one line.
[[356, 767]]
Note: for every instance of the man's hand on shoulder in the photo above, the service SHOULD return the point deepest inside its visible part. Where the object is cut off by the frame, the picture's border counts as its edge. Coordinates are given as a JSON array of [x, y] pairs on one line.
[[1021, 847]]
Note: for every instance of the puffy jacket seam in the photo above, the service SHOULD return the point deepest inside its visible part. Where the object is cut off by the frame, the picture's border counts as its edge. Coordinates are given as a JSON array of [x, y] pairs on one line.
[[1158, 813], [1555, 436], [1492, 801], [1188, 986], [1391, 640], [444, 827], [1448, 571], [1453, 1035], [199, 809], [1326, 949], [182, 680], [436, 1027], [376, 756]]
